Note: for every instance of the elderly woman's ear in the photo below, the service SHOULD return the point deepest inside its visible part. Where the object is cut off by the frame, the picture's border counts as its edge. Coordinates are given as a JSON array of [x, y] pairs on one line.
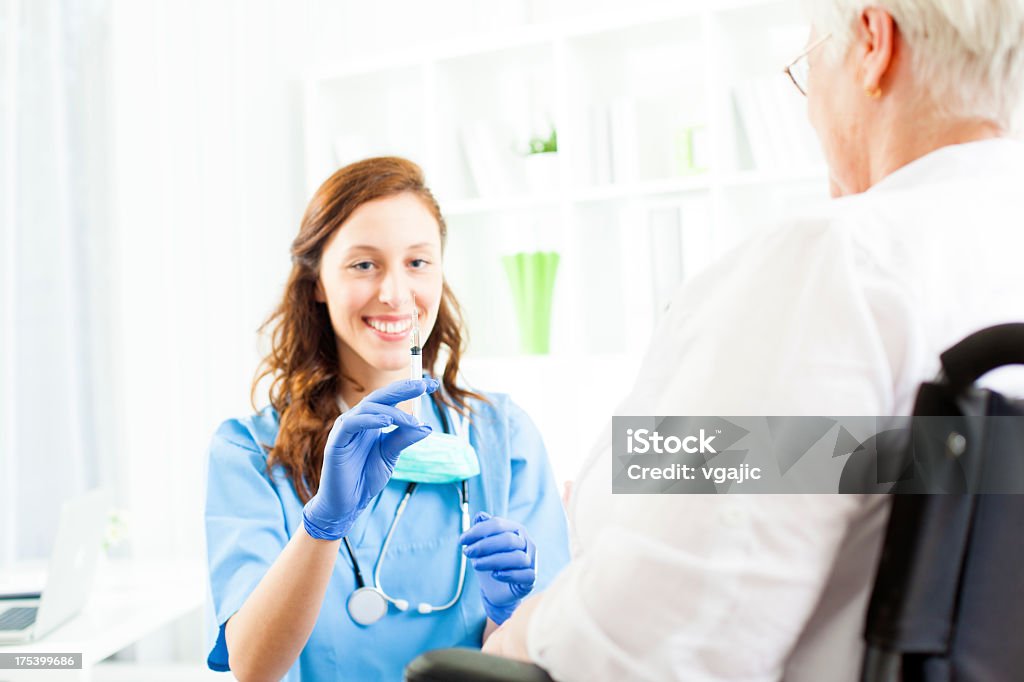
[[876, 47]]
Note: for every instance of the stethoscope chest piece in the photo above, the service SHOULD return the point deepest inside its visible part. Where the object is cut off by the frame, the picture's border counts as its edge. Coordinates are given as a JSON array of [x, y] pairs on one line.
[[367, 605]]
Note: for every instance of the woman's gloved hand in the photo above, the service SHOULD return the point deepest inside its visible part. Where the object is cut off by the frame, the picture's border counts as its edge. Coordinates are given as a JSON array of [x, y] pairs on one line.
[[505, 560], [359, 459]]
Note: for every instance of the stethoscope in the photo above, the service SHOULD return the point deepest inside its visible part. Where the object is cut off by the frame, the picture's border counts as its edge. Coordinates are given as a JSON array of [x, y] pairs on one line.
[[368, 604]]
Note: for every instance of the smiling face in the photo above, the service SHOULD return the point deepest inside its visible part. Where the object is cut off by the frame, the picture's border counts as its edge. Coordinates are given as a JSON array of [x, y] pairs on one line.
[[387, 251]]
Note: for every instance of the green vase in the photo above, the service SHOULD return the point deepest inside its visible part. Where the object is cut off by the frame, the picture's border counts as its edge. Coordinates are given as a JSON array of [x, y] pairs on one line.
[[532, 278]]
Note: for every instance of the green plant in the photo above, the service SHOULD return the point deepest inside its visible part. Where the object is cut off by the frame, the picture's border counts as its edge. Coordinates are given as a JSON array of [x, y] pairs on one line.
[[541, 145], [117, 528]]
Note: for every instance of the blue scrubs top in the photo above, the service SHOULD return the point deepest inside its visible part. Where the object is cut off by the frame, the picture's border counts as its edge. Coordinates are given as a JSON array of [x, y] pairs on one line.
[[250, 517]]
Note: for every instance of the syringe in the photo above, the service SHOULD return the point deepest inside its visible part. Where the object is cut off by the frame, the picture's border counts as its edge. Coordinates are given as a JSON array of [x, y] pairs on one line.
[[415, 355]]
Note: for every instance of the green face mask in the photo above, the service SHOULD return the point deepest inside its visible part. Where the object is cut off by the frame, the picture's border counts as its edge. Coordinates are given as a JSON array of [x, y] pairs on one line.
[[438, 458]]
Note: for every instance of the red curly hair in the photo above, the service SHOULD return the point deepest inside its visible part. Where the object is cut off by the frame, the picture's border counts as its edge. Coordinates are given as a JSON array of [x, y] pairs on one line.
[[303, 361]]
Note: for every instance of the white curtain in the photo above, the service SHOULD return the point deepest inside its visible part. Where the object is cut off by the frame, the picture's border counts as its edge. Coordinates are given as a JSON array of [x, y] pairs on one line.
[[208, 172], [54, 204], [151, 182]]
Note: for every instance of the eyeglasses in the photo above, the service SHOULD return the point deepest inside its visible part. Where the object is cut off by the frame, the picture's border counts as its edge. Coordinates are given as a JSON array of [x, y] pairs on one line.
[[799, 69]]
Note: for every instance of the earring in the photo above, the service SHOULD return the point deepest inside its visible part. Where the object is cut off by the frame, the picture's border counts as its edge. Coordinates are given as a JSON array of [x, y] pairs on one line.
[[874, 94]]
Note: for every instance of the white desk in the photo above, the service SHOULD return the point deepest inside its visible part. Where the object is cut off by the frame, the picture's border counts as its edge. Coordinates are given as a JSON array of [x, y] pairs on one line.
[[130, 600]]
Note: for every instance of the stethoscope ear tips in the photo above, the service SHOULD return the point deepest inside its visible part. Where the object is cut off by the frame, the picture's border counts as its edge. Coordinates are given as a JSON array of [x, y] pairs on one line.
[[425, 609], [401, 604]]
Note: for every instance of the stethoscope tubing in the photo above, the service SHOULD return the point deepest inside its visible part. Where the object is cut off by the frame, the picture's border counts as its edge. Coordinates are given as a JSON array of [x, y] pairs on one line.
[[423, 607], [368, 604]]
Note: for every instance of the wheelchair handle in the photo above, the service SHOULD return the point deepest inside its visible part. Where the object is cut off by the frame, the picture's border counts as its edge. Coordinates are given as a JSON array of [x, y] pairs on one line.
[[982, 352]]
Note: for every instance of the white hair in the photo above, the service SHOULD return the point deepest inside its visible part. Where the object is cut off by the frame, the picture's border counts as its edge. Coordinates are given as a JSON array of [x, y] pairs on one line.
[[968, 55]]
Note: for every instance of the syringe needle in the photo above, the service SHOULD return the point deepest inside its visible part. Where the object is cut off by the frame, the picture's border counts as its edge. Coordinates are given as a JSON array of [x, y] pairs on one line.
[[415, 355]]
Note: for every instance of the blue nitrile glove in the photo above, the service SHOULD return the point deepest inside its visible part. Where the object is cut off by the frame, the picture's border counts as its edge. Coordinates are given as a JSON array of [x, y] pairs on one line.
[[359, 459], [505, 560]]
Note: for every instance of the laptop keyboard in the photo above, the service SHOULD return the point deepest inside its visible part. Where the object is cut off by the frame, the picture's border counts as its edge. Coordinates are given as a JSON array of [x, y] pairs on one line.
[[18, 618]]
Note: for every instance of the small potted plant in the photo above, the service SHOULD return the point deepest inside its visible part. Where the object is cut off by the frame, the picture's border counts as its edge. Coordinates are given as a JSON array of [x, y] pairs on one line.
[[542, 163]]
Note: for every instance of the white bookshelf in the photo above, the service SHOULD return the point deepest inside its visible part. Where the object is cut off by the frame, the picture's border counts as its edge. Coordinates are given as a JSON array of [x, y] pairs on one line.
[[627, 86]]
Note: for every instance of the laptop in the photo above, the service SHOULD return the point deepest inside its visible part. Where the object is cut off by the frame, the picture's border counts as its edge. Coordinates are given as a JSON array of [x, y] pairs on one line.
[[30, 616]]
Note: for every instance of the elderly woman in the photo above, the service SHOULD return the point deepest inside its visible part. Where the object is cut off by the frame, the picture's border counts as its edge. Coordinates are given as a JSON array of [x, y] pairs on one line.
[[841, 312]]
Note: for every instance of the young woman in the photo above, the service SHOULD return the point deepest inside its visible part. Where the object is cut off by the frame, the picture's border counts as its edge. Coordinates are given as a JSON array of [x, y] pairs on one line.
[[339, 524]]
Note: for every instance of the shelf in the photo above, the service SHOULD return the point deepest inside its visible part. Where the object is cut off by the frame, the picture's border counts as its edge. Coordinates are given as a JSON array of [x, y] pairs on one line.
[[523, 35], [383, 124], [465, 207], [486, 111], [670, 117], [639, 190], [550, 362], [655, 105], [518, 37], [760, 178]]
